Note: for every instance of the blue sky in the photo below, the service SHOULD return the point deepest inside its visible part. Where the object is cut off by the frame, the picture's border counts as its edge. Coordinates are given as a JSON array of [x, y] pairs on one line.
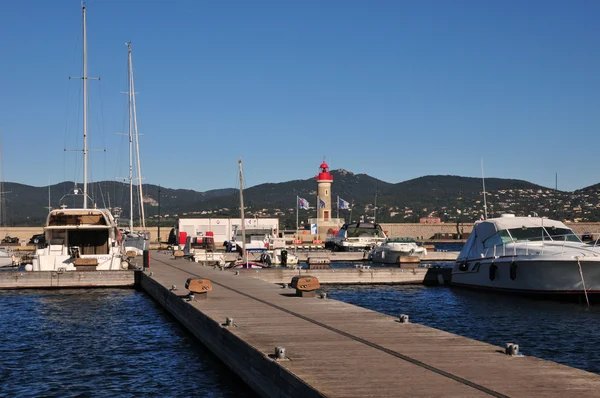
[[393, 89]]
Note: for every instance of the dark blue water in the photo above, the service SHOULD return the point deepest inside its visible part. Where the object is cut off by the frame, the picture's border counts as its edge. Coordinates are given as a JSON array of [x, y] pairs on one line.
[[562, 332], [102, 343]]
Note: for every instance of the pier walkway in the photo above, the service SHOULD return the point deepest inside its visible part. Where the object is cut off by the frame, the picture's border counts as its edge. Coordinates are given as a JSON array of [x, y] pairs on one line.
[[336, 349]]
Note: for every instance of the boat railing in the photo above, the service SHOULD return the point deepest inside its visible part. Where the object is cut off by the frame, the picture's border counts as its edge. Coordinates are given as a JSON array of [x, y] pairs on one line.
[[501, 250]]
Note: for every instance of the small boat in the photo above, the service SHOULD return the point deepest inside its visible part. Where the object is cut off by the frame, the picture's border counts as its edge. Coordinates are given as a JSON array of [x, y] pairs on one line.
[[356, 237], [240, 264], [528, 255], [390, 251], [274, 257]]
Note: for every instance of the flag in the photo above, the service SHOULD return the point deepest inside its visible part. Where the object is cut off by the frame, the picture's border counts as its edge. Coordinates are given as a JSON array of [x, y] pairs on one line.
[[342, 204], [303, 203], [322, 204]]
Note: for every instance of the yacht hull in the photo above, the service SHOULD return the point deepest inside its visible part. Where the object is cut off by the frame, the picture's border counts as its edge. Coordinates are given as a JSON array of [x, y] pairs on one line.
[[391, 253], [538, 276]]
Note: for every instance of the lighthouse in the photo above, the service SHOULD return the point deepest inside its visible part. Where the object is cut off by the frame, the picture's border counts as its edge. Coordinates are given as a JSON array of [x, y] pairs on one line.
[[324, 180]]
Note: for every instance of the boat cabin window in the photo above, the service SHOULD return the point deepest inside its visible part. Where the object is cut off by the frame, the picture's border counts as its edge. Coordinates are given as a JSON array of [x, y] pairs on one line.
[[364, 233], [89, 241], [533, 234], [562, 234], [499, 238]]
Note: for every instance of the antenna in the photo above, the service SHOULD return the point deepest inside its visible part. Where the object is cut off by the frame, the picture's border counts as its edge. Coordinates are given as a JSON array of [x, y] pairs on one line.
[[484, 193]]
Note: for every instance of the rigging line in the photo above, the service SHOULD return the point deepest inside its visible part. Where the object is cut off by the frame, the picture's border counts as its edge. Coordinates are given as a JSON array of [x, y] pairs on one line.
[[583, 282]]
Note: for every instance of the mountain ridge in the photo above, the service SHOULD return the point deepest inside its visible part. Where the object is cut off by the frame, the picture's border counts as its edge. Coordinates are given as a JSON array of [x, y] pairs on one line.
[[449, 197]]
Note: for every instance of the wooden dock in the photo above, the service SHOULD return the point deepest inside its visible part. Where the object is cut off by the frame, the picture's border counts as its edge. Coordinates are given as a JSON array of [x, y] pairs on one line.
[[357, 276], [336, 349], [347, 256]]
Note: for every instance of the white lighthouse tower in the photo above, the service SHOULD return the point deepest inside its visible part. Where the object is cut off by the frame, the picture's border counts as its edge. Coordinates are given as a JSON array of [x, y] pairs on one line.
[[324, 180]]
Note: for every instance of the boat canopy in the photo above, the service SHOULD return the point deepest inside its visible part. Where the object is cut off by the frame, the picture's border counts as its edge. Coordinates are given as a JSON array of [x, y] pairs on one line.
[[497, 231], [78, 217], [487, 228]]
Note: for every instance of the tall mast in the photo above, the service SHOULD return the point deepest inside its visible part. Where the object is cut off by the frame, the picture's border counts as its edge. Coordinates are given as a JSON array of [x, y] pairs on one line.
[[133, 133], [242, 210], [137, 144], [85, 111], [129, 92], [484, 193]]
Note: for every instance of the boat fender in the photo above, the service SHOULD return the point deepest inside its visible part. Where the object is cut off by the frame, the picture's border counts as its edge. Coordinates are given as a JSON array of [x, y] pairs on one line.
[[513, 270], [493, 268], [463, 266]]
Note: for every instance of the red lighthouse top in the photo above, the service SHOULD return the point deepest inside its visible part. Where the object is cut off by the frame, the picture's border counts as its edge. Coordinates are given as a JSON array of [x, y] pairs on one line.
[[324, 175]]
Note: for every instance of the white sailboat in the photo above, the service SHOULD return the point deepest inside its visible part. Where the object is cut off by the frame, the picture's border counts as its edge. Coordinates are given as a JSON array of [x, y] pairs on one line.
[[80, 239], [134, 241], [244, 262]]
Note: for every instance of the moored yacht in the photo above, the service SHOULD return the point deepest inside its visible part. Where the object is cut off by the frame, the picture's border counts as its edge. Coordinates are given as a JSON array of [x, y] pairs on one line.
[[528, 255], [356, 237], [390, 251], [80, 239]]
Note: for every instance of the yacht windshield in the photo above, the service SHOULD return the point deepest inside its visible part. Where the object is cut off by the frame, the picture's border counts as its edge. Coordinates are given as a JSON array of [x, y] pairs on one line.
[[540, 233], [364, 233]]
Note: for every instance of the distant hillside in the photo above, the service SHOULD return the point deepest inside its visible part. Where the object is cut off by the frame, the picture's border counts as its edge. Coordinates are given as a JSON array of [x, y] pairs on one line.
[[452, 198]]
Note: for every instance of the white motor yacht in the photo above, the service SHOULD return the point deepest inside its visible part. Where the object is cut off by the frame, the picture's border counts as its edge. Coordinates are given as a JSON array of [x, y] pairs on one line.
[[80, 239], [529, 255], [356, 237], [390, 251]]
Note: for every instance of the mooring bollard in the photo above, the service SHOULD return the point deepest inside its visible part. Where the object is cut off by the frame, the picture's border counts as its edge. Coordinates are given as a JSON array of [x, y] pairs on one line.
[[199, 286], [512, 349], [146, 259], [279, 353], [403, 318], [323, 295], [229, 322], [306, 286]]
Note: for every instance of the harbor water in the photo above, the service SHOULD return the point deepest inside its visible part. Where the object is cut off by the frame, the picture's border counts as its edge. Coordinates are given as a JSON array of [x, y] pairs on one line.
[[119, 342], [103, 343]]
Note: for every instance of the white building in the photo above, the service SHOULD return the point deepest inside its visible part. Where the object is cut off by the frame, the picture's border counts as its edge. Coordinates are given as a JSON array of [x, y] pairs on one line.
[[222, 228]]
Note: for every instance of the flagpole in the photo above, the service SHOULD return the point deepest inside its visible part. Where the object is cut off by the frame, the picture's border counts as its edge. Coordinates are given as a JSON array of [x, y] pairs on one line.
[[338, 206], [297, 211], [317, 213]]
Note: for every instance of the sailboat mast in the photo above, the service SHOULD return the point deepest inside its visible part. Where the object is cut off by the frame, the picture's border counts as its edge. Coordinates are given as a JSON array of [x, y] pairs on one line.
[[137, 143], [129, 91], [85, 111], [484, 193], [242, 209]]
